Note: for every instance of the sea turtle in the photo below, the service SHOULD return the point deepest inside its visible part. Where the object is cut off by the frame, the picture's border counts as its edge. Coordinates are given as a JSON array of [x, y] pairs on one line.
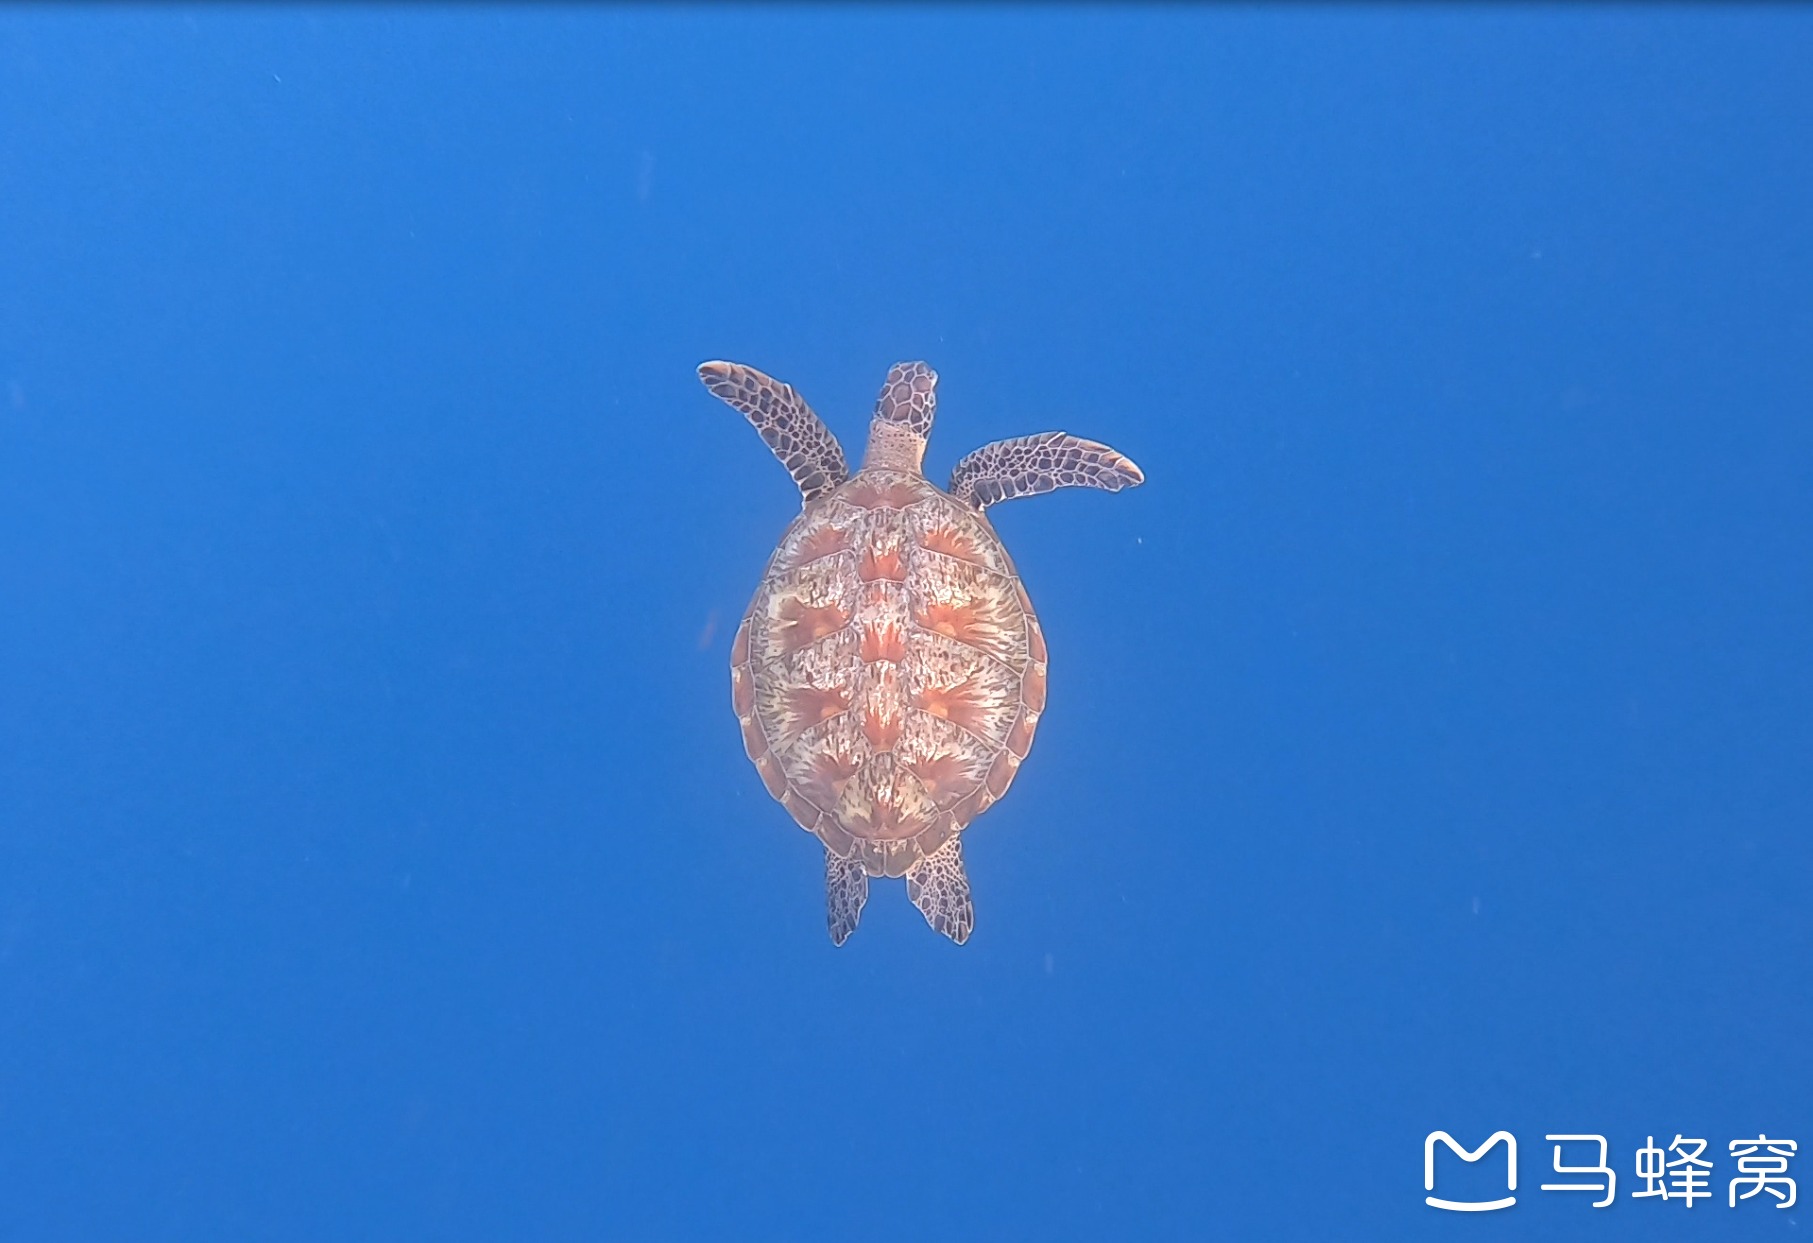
[[890, 671]]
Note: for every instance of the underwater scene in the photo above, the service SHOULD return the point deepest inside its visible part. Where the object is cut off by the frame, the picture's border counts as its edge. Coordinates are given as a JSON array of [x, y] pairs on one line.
[[919, 622]]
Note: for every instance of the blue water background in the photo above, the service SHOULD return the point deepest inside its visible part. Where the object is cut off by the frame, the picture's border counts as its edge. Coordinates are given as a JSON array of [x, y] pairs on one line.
[[1428, 742]]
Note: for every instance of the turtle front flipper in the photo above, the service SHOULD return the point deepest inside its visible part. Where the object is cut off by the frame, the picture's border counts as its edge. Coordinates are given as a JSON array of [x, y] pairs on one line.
[[846, 890], [940, 889], [1029, 465], [799, 438]]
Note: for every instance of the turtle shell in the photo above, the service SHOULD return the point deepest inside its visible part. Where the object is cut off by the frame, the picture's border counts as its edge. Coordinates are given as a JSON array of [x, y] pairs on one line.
[[890, 672]]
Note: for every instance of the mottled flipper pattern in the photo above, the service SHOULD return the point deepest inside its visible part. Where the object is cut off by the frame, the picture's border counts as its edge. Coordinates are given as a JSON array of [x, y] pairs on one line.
[[940, 889], [846, 889], [787, 424], [1029, 465]]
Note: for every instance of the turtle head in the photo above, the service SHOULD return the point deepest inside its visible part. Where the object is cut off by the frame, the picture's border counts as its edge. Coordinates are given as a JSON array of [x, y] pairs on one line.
[[903, 418]]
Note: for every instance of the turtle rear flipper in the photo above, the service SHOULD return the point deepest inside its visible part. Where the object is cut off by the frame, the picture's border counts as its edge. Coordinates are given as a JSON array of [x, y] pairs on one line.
[[846, 890], [1029, 465], [939, 887], [799, 438]]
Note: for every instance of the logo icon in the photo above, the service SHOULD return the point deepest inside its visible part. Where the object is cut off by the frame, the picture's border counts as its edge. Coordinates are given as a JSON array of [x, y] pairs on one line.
[[1470, 1206]]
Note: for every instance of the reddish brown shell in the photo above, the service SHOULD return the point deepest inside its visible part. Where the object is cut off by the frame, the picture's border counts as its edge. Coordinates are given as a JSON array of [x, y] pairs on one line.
[[890, 672]]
